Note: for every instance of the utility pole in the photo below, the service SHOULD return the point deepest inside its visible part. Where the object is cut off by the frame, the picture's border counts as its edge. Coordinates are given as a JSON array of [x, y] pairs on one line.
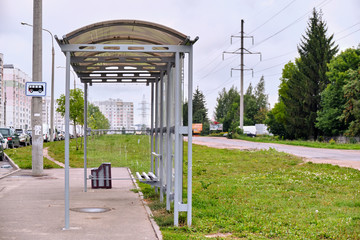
[[36, 102], [52, 82], [143, 114], [241, 51]]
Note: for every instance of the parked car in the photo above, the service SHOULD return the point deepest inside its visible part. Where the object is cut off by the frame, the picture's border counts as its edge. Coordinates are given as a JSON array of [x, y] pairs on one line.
[[29, 132], [3, 141], [2, 154], [46, 133], [61, 135], [56, 135], [23, 136], [12, 137]]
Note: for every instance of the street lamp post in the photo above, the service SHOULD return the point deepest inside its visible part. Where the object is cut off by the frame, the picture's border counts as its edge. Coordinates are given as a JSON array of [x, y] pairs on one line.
[[72, 74], [74, 87], [52, 81]]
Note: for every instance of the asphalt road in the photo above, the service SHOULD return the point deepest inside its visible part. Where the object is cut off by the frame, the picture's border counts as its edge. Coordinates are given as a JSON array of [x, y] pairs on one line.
[[348, 158]]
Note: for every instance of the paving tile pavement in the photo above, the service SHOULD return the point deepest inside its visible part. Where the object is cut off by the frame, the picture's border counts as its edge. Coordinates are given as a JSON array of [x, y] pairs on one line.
[[33, 208]]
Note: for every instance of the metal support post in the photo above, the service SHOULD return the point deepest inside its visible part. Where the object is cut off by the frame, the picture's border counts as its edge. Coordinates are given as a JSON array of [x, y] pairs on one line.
[[85, 135], [189, 176], [161, 152], [177, 139], [156, 128], [152, 127], [168, 140], [52, 90], [181, 147], [67, 139], [242, 76]]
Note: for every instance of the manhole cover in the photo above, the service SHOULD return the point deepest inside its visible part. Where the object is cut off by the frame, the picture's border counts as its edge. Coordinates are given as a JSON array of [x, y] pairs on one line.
[[90, 210]]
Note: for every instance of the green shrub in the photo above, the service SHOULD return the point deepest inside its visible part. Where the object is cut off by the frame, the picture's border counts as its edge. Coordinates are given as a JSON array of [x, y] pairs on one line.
[[353, 140], [320, 139]]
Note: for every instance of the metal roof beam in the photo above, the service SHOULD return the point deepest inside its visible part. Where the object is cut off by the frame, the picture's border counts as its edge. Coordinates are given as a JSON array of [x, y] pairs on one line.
[[128, 59], [129, 68], [124, 48], [123, 75], [127, 80]]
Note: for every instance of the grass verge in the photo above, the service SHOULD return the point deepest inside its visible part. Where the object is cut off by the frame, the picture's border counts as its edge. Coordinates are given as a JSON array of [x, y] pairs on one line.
[[22, 157], [313, 144]]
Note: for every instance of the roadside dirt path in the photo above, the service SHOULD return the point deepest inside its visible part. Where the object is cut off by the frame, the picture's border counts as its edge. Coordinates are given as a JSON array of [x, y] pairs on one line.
[[46, 154]]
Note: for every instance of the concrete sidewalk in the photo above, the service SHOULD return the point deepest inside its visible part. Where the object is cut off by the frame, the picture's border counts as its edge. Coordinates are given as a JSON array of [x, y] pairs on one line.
[[33, 208]]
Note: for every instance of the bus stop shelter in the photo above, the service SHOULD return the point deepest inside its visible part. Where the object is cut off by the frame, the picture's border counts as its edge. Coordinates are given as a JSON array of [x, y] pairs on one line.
[[132, 51]]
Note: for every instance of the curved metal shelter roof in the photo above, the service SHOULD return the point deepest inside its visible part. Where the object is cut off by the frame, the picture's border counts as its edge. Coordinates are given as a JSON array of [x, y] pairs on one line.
[[122, 50]]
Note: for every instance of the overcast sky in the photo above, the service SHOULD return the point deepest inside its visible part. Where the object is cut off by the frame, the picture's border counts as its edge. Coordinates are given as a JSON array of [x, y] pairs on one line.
[[277, 27]]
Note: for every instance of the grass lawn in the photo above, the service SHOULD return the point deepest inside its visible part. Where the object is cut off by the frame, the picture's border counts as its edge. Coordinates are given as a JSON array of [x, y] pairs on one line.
[[243, 194]]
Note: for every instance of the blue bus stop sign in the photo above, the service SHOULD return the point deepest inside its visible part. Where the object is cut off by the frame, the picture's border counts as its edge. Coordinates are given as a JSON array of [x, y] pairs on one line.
[[35, 89]]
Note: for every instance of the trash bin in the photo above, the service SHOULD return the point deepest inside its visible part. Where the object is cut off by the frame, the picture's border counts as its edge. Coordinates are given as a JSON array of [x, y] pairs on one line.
[[101, 176]]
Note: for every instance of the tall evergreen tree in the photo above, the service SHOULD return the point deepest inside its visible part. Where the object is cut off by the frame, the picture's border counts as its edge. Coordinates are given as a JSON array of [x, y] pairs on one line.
[[261, 97], [224, 102], [250, 106], [315, 50], [199, 107], [261, 101]]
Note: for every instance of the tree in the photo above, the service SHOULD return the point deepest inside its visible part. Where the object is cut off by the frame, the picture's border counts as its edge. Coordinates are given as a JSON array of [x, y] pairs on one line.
[[332, 98], [96, 119], [277, 118], [76, 108], [199, 110], [232, 115], [351, 114], [255, 104], [199, 107], [315, 50], [261, 101], [250, 107], [224, 102]]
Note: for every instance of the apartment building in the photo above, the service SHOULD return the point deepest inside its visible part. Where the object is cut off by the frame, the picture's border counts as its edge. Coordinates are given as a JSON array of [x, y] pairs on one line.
[[59, 121], [2, 115], [17, 106], [120, 114]]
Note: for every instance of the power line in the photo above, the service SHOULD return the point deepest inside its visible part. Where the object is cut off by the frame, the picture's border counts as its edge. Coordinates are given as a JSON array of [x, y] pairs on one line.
[[272, 17], [213, 59], [272, 67], [323, 3], [215, 70], [221, 85], [347, 35], [347, 28]]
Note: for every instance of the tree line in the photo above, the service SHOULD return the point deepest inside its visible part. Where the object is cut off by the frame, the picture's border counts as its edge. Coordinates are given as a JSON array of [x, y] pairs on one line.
[[319, 92]]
